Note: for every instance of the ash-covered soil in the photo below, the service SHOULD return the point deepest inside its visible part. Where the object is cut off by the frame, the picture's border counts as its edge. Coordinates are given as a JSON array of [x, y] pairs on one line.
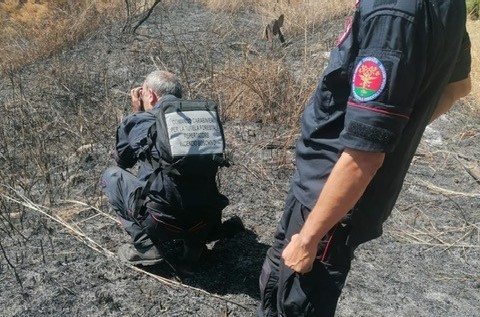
[[59, 237]]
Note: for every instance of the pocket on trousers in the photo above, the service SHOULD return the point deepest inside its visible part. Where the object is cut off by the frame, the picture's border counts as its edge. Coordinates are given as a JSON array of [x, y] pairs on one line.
[[337, 252], [268, 283], [294, 300]]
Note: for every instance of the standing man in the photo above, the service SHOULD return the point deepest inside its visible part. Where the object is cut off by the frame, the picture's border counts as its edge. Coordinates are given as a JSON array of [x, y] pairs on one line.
[[182, 207], [399, 65]]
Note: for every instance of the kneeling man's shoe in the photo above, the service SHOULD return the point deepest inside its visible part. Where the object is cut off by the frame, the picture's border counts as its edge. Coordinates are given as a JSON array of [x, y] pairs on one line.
[[140, 256]]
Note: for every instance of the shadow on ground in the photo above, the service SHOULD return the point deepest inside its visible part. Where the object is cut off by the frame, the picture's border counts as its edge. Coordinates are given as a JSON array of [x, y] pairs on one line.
[[230, 266]]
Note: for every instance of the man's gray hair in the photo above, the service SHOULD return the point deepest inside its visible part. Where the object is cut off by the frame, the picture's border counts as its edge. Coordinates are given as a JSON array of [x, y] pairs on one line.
[[164, 83]]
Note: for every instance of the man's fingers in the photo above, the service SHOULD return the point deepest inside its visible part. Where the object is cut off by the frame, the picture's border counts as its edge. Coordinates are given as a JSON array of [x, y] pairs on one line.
[[297, 257], [135, 92], [301, 269]]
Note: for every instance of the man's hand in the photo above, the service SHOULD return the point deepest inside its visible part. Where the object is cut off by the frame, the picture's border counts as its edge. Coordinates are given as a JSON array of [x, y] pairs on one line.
[[137, 102], [299, 255]]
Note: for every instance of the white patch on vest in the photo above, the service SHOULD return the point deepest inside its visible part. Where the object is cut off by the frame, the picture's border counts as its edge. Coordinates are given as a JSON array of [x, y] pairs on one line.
[[194, 132]]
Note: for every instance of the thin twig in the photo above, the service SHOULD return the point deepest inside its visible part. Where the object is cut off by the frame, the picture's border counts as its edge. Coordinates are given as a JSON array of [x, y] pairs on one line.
[[472, 170], [17, 277], [447, 245], [12, 227], [146, 16], [417, 240], [104, 214], [447, 191], [100, 249], [65, 288], [30, 205]]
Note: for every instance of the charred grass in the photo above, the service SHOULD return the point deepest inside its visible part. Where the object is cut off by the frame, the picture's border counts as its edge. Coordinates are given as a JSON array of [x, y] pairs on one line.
[[65, 88]]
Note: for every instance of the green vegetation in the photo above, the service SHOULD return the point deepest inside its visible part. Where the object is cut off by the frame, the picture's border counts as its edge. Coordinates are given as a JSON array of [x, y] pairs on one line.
[[473, 8]]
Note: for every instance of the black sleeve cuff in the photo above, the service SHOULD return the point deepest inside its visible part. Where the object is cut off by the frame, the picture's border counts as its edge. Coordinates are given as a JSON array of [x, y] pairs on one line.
[[372, 129]]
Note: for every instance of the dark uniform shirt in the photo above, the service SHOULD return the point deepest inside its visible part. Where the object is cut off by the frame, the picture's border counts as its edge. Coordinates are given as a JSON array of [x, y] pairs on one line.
[[170, 192], [377, 94]]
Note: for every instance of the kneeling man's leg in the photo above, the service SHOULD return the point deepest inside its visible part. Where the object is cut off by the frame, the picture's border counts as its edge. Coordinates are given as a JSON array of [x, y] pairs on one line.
[[121, 189]]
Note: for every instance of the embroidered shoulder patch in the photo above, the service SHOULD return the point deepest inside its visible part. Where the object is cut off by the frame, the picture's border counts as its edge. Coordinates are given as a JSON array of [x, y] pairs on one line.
[[369, 79]]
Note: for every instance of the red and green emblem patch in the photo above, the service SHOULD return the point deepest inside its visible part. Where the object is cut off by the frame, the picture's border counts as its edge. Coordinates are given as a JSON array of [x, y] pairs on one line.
[[369, 79]]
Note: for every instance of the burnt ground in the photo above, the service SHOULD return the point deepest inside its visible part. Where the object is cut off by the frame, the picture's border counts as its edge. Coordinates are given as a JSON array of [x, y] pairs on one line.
[[59, 238]]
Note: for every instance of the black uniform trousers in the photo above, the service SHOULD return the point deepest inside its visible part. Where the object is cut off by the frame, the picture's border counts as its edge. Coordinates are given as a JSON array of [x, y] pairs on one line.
[[287, 293], [123, 188]]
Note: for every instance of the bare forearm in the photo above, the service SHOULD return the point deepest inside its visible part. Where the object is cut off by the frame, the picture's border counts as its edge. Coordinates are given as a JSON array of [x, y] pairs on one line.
[[346, 184]]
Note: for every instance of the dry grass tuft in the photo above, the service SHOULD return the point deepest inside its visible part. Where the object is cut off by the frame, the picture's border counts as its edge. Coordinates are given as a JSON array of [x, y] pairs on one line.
[[32, 30], [229, 6], [300, 15], [473, 28], [304, 16], [261, 90]]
